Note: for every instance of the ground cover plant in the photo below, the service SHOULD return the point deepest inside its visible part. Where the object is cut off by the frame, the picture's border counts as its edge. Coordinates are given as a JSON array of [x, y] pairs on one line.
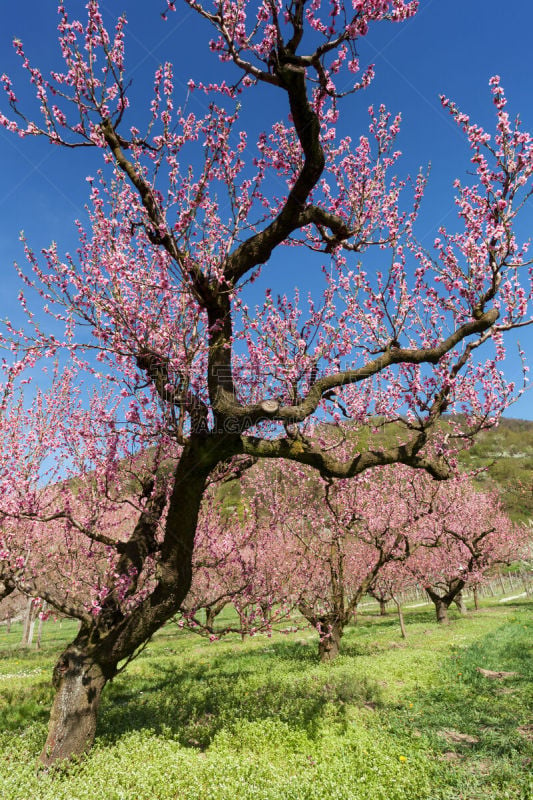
[[262, 719]]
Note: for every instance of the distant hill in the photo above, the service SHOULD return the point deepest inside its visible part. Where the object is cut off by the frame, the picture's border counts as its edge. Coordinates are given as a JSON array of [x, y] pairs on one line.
[[507, 453]]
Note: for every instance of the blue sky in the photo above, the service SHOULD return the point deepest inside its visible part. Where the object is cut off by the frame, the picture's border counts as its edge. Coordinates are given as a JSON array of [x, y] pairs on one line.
[[450, 47]]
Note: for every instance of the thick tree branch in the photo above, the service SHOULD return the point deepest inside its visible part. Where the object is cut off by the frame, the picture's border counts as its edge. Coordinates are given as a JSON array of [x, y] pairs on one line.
[[156, 368], [258, 248], [328, 466]]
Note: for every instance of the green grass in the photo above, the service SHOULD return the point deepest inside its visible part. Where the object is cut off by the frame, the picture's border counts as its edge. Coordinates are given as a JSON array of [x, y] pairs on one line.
[[262, 719]]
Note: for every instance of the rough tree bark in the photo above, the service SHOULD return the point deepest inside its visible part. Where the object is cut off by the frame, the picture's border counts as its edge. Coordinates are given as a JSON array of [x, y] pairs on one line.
[[78, 680]]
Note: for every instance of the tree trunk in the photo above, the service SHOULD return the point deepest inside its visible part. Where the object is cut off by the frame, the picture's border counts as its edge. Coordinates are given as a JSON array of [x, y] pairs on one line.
[[476, 597], [91, 659], [441, 607], [382, 608], [79, 681], [400, 618], [266, 610], [32, 628], [29, 621], [330, 639], [210, 616], [40, 628], [460, 603], [444, 601]]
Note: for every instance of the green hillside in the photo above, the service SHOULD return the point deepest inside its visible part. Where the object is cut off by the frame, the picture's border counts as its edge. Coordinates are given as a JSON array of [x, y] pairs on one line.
[[507, 454]]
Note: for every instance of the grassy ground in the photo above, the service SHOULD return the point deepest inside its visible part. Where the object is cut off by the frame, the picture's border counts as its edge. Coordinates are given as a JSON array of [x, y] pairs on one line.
[[261, 719]]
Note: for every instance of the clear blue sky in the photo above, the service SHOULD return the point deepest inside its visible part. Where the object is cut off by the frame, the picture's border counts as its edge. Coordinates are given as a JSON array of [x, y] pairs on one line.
[[451, 46]]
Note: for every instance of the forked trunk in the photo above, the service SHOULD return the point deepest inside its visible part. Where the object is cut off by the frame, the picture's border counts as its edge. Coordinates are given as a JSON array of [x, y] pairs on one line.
[[79, 681], [442, 602]]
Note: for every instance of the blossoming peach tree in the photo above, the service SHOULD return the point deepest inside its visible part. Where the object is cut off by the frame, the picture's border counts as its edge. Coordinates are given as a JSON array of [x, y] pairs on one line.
[[160, 373], [472, 535]]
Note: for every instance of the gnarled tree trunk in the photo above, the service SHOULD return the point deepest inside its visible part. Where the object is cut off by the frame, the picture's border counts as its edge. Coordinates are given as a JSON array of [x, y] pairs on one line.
[[441, 607], [330, 628], [79, 681], [460, 603]]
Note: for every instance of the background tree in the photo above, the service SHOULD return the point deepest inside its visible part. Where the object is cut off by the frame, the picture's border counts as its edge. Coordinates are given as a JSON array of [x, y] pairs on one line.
[[472, 534], [236, 562], [152, 310], [388, 585]]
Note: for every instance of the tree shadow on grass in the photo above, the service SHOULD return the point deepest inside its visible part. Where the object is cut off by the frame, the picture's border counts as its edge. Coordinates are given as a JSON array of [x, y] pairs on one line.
[[192, 703], [281, 680]]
